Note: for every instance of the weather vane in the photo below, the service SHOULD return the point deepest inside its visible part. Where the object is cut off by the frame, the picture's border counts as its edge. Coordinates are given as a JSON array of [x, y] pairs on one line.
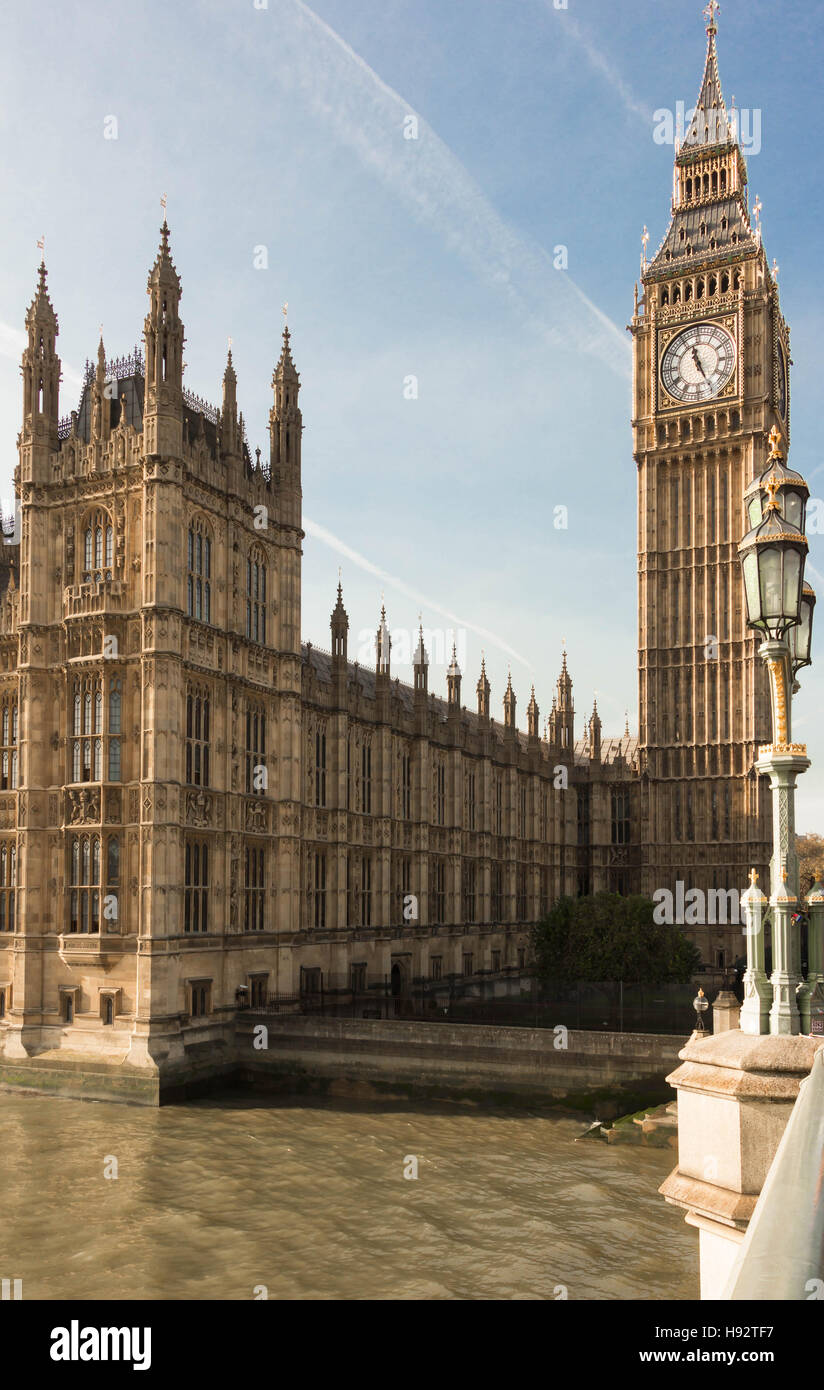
[[285, 310], [713, 9], [41, 242], [644, 244], [163, 205], [757, 207], [775, 268]]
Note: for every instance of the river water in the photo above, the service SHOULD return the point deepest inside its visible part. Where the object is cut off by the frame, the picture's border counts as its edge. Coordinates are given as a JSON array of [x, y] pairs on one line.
[[214, 1199]]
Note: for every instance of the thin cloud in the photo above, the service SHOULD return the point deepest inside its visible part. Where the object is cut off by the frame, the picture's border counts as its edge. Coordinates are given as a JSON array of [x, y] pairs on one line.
[[368, 116], [602, 64], [320, 533]]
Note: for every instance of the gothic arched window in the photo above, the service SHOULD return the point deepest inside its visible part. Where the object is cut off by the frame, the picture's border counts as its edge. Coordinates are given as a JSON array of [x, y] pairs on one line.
[[84, 897], [197, 736], [95, 731], [98, 547], [8, 748], [8, 883], [199, 584], [256, 596]]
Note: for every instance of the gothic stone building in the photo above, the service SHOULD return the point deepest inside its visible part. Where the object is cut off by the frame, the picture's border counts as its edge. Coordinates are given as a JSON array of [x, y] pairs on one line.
[[197, 807], [196, 804]]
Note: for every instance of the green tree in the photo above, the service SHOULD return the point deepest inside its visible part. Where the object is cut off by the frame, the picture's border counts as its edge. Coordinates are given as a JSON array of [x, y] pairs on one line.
[[608, 937], [810, 850]]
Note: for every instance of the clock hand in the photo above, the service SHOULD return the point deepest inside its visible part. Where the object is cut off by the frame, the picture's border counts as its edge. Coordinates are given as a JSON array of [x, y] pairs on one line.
[[697, 360]]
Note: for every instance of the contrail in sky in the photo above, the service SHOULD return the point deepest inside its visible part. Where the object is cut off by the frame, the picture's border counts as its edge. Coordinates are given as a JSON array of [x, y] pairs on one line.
[[320, 533], [369, 116]]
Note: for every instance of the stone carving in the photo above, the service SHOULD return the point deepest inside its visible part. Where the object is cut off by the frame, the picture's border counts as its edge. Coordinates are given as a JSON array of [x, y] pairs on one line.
[[84, 806], [198, 808], [256, 816]]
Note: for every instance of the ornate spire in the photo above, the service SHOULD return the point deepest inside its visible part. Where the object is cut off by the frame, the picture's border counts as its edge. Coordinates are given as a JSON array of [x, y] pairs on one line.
[[421, 665], [339, 623], [710, 124], [483, 688], [383, 645], [285, 430], [230, 425], [533, 716], [40, 310], [595, 733], [163, 271], [163, 333], [41, 365], [453, 680], [509, 704]]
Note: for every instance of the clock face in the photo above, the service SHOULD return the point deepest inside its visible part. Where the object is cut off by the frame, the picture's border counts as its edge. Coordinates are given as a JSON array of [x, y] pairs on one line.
[[782, 383], [698, 362]]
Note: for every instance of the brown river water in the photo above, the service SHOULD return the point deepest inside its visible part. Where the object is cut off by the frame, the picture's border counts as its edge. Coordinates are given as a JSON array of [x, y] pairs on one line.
[[218, 1197]]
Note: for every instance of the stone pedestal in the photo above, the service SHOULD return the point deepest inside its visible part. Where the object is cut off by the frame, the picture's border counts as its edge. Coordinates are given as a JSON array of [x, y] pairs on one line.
[[735, 1094], [726, 1012]]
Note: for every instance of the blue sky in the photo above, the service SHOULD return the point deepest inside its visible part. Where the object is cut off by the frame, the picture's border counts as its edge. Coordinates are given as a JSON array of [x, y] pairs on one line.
[[283, 127]]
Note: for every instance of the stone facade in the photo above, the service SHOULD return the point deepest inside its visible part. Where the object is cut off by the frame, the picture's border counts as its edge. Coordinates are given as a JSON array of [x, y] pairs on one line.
[[195, 803]]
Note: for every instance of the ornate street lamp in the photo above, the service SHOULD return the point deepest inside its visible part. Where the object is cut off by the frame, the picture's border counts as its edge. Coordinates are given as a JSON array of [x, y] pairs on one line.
[[779, 607]]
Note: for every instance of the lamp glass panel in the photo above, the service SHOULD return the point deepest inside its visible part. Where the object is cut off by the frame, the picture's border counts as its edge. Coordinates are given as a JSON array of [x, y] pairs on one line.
[[751, 588], [792, 583], [793, 509], [803, 632], [769, 565], [755, 510]]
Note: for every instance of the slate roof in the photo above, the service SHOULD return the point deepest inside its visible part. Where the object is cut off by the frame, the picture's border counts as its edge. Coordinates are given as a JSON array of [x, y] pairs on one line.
[[672, 254]]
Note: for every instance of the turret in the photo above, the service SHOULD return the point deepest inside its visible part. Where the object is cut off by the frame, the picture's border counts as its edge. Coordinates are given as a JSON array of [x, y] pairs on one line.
[[163, 335], [595, 734], [41, 383], [533, 717], [509, 705], [101, 407], [230, 425], [383, 647], [565, 713], [421, 666], [285, 429], [453, 682], [483, 689], [339, 624]]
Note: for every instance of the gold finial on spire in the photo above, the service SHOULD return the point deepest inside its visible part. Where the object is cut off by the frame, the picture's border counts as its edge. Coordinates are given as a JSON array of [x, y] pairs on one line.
[[774, 441], [772, 485], [713, 9]]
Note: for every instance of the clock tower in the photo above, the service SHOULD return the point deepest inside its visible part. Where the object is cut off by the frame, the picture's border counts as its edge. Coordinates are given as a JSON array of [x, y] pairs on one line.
[[710, 379]]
